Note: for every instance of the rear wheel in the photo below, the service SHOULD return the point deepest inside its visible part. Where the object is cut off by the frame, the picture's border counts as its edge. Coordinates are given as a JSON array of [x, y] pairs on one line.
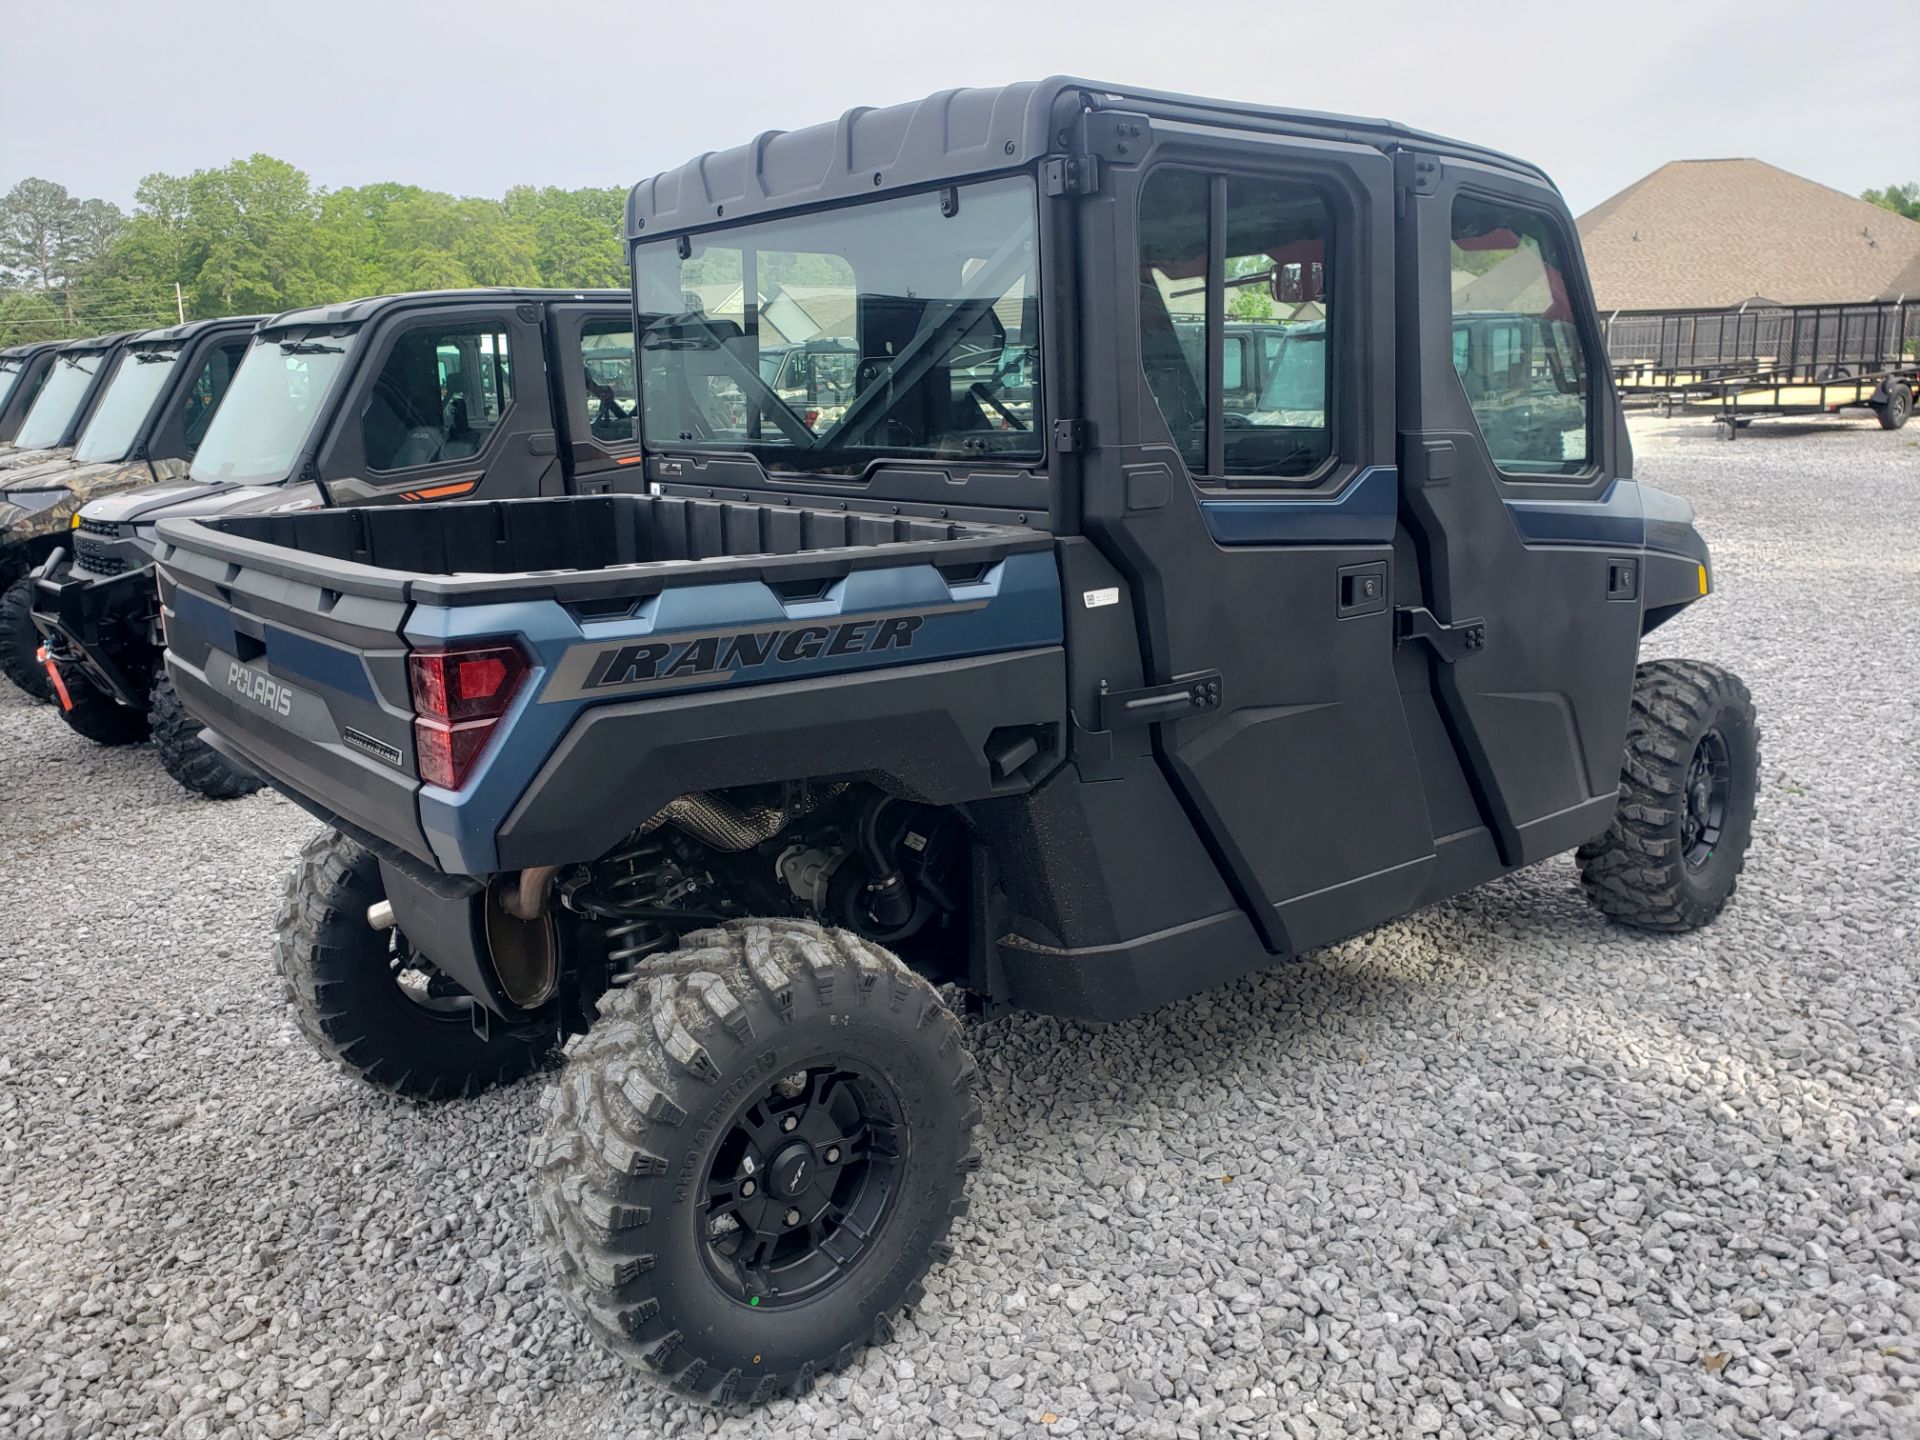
[[753, 1158], [367, 999], [188, 758], [1895, 410], [20, 642], [1673, 855]]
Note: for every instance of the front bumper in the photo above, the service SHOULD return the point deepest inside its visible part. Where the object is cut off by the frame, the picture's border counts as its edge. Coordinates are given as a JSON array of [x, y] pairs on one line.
[[105, 627]]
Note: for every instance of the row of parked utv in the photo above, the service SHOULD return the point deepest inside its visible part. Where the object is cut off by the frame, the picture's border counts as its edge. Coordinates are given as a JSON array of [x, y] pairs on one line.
[[389, 400], [1057, 547]]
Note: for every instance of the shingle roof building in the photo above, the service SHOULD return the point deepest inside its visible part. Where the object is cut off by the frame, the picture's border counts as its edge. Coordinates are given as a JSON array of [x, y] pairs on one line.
[[1699, 234]]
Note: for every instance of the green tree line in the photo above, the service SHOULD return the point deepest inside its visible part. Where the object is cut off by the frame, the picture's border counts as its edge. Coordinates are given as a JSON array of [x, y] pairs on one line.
[[256, 236]]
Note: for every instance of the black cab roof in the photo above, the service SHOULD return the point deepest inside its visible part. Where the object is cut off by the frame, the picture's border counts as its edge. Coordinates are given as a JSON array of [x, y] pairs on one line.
[[959, 133], [357, 312], [180, 334]]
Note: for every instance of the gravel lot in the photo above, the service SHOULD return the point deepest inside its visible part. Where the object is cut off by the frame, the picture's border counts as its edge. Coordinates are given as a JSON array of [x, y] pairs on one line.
[[1496, 1170]]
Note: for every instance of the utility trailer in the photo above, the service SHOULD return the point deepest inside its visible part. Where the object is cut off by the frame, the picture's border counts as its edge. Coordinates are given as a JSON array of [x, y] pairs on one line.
[[1779, 360]]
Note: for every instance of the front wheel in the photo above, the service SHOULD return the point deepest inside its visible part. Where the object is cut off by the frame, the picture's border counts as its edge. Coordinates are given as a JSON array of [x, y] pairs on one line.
[[1673, 855], [20, 642], [188, 758], [367, 999], [754, 1156], [91, 712]]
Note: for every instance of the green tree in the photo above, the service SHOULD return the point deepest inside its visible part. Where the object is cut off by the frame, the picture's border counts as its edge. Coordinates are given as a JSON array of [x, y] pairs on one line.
[[1901, 199], [251, 244]]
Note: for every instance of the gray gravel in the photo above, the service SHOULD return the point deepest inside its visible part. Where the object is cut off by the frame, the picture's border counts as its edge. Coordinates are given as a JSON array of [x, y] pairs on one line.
[[1496, 1170]]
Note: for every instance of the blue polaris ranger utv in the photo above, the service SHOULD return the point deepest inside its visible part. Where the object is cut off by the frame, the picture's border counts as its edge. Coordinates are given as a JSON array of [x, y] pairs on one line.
[[1008, 657]]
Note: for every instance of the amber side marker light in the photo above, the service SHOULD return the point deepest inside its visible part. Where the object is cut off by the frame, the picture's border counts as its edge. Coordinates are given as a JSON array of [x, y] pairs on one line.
[[1703, 579]]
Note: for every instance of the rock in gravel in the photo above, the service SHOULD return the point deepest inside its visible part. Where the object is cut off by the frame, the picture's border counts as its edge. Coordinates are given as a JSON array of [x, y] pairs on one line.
[[1497, 1170]]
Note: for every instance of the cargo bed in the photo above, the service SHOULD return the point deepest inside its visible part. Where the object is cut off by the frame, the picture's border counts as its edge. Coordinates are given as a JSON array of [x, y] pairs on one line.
[[290, 635]]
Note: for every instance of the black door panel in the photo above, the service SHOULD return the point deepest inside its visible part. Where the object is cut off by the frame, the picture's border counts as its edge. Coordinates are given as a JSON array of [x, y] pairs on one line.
[[1304, 781], [1538, 713]]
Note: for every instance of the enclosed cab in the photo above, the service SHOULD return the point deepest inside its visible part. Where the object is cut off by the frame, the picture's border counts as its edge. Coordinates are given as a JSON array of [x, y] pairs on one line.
[[393, 400], [151, 405], [74, 381], [1221, 537]]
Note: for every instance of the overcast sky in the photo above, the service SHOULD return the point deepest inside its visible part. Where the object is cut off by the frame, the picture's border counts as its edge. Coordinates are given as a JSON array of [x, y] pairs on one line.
[[472, 96]]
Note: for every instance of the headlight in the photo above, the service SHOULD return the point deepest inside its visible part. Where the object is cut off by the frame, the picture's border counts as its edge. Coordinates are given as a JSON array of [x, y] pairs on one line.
[[33, 501]]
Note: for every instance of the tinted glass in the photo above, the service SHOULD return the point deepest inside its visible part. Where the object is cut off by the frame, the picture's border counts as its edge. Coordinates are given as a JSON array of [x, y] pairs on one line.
[[9, 377], [1516, 347], [439, 395], [613, 391], [1173, 305], [905, 326], [1276, 287], [271, 407], [59, 397], [137, 380], [1270, 351], [209, 388]]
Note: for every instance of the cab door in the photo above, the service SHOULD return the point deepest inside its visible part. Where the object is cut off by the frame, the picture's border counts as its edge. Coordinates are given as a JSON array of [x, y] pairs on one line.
[[1519, 495], [1259, 540], [590, 354], [450, 403]]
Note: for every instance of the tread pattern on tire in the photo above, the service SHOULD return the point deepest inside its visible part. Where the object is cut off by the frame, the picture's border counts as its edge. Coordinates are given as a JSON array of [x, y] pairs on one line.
[[19, 641], [1635, 871], [637, 1074], [188, 758], [322, 980]]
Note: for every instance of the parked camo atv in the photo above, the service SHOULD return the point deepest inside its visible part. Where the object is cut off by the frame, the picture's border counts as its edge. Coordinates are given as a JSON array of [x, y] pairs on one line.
[[392, 400], [23, 370], [1079, 710], [63, 458]]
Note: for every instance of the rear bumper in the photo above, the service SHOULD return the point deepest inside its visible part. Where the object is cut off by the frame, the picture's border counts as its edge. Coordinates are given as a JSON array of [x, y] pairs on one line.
[[100, 626]]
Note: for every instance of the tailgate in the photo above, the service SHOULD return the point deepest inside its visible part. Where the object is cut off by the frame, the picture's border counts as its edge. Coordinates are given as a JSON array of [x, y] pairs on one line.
[[301, 668]]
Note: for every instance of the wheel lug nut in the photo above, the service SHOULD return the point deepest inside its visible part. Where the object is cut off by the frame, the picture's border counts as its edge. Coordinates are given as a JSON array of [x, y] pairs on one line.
[[790, 1122], [793, 1217], [833, 1154], [747, 1187]]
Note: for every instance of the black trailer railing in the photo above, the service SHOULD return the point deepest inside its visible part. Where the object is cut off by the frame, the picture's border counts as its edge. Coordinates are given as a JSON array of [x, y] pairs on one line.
[[1770, 359]]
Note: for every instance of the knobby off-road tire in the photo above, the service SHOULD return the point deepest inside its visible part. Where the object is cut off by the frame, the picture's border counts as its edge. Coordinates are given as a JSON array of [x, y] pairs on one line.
[[1673, 855], [670, 1088], [97, 715], [20, 642], [344, 979], [188, 758]]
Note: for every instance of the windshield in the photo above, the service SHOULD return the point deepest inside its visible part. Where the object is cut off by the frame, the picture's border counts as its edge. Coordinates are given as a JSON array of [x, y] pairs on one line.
[[270, 409], [1297, 374], [136, 383], [9, 377], [59, 398], [906, 326]]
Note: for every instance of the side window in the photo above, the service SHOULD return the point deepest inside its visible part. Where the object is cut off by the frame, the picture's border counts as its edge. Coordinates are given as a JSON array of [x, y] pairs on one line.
[[1276, 286], [209, 387], [613, 393], [1268, 272], [439, 396], [1173, 305], [1518, 352]]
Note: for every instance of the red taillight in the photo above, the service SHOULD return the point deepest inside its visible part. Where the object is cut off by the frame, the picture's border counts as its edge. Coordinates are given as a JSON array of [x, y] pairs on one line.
[[459, 695]]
